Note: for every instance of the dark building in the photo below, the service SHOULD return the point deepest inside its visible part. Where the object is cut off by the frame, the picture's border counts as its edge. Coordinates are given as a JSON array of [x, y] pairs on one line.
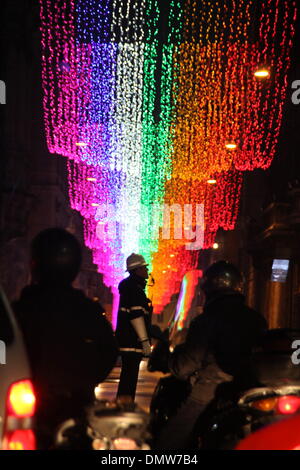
[[34, 187]]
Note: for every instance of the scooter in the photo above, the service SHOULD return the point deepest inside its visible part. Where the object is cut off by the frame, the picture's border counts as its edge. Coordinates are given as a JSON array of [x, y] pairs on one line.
[[235, 413], [223, 427], [106, 426]]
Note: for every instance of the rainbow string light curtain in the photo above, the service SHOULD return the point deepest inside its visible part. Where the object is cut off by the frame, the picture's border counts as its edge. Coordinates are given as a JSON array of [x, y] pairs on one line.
[[151, 99]]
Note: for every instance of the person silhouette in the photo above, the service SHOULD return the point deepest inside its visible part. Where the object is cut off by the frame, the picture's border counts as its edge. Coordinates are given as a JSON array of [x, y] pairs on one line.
[[70, 343], [133, 330]]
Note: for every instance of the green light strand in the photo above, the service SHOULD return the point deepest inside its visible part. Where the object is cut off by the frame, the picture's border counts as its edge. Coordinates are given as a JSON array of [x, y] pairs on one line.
[[157, 136], [148, 241]]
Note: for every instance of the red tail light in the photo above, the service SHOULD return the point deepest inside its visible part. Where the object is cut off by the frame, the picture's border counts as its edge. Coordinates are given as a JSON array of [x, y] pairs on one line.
[[21, 439], [21, 400], [288, 404], [285, 405], [20, 408]]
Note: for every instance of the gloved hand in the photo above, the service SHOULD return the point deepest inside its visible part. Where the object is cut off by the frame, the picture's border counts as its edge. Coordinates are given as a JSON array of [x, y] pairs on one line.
[[146, 348]]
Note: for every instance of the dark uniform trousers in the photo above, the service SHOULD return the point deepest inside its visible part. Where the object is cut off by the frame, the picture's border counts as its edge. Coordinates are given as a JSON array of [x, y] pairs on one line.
[[129, 373]]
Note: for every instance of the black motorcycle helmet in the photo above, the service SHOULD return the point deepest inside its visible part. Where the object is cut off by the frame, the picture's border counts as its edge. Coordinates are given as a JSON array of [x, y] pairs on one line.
[[222, 276], [55, 257]]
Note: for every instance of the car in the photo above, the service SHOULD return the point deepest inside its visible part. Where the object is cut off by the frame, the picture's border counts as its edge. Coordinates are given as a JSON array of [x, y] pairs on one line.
[[283, 435], [17, 395]]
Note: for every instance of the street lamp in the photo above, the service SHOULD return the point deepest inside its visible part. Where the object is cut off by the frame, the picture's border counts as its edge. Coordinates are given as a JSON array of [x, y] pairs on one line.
[[231, 145], [81, 144], [262, 73]]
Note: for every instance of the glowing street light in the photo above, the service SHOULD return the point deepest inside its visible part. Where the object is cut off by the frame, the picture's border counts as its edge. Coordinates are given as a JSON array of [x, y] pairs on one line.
[[215, 246], [92, 180], [231, 146], [262, 73], [81, 144], [212, 181]]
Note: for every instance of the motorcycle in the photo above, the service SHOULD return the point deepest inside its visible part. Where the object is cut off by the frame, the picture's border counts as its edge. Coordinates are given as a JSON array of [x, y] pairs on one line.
[[284, 435], [235, 412], [106, 426]]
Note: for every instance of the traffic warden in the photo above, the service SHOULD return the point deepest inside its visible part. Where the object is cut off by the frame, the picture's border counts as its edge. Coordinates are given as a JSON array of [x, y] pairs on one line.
[[133, 325]]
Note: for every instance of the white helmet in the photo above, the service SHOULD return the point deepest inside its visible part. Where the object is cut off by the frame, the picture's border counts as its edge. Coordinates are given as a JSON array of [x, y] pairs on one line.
[[135, 261]]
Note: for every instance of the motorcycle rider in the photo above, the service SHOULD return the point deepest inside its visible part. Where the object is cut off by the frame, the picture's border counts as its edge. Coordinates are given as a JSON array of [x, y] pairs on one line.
[[133, 325], [217, 349], [70, 343]]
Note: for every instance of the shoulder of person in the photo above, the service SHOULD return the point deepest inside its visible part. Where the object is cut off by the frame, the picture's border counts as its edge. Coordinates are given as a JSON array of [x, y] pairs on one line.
[[125, 285], [92, 304], [27, 306], [198, 329], [258, 316], [99, 308], [27, 294], [129, 288], [200, 320]]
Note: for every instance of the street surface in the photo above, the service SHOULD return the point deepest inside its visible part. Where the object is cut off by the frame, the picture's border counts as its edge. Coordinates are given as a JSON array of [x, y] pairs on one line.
[[146, 385]]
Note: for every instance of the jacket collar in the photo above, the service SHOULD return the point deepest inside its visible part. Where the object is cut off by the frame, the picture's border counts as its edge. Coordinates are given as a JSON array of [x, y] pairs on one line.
[[138, 280], [224, 295]]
